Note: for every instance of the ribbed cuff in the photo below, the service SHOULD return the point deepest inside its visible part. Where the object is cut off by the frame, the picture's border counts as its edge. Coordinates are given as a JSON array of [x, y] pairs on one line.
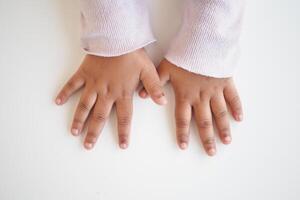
[[208, 41], [113, 28]]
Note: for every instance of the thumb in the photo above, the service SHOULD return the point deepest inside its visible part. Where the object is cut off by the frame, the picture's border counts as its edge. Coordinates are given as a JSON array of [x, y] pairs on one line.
[[163, 76]]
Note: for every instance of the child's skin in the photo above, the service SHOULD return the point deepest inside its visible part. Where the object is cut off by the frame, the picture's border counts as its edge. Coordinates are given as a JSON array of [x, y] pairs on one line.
[[108, 81], [113, 80], [200, 56], [206, 97]]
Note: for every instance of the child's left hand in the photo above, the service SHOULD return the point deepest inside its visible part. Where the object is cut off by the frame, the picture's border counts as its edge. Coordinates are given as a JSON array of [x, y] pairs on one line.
[[207, 98]]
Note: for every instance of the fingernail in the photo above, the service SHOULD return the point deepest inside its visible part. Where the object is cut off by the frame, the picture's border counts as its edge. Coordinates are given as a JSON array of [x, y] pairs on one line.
[[227, 139], [239, 117], [143, 94], [123, 146], [74, 131], [58, 101], [88, 145], [163, 100], [211, 151], [183, 145]]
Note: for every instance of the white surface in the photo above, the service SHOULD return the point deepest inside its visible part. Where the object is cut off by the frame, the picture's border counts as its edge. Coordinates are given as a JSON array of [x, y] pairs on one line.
[[39, 159]]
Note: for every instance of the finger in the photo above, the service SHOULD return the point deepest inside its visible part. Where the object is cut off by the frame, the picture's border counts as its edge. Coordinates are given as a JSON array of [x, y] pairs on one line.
[[124, 115], [74, 84], [219, 109], [143, 93], [152, 85], [97, 121], [234, 102], [163, 72], [163, 76], [84, 107], [204, 123], [183, 116]]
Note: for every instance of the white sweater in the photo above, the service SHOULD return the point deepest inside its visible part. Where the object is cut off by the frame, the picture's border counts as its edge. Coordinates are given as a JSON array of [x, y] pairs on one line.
[[207, 42]]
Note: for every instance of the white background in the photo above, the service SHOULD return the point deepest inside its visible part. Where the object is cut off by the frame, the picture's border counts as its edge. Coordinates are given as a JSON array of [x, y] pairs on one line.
[[39, 159]]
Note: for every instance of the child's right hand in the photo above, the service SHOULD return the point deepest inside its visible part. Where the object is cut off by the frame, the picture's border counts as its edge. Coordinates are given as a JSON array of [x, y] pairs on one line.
[[108, 81]]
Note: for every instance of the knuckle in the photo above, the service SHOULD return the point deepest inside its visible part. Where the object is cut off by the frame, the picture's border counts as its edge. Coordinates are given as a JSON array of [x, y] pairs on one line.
[[209, 141], [92, 137], [124, 120], [154, 88], [235, 101], [123, 136], [77, 120], [182, 98], [70, 84], [183, 137], [104, 95], [204, 96], [205, 123], [126, 95], [99, 117], [225, 130], [92, 134], [146, 73], [182, 123], [83, 106], [221, 114]]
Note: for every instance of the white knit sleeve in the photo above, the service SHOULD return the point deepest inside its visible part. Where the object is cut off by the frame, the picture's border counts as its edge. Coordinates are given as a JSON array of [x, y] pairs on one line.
[[207, 42], [114, 27]]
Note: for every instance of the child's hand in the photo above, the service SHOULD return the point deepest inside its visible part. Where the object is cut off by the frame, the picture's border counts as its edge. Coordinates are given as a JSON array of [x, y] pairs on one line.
[[206, 96], [108, 81]]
